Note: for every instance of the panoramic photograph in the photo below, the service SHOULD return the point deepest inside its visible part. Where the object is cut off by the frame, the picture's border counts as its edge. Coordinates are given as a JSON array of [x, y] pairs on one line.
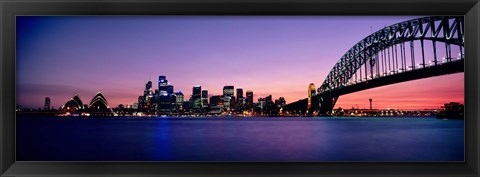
[[240, 88]]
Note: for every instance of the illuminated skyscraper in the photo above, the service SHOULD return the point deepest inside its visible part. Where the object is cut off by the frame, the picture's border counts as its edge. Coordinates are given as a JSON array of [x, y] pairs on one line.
[[164, 87], [216, 104], [148, 93], [196, 101], [162, 81], [228, 92], [311, 94], [179, 98], [204, 98]]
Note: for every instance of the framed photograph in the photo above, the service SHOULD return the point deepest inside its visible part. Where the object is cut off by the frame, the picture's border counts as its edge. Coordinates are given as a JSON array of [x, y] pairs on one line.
[[239, 88]]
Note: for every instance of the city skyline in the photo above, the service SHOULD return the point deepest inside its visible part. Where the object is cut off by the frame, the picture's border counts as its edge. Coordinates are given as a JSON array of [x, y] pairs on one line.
[[92, 63]]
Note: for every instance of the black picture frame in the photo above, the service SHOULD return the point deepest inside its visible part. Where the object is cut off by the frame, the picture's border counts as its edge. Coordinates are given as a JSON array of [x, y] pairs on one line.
[[10, 8]]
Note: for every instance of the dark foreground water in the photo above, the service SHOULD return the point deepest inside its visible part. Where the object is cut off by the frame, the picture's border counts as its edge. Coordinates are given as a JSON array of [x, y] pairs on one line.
[[239, 139]]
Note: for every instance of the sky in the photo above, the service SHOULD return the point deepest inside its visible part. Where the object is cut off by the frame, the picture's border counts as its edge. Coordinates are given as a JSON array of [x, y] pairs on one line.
[[60, 56]]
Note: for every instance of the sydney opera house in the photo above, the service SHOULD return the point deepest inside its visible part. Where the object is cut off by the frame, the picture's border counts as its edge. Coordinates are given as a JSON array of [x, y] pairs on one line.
[[98, 107]]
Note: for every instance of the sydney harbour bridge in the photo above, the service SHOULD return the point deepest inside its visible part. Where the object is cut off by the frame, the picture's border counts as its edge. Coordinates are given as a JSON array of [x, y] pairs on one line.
[[415, 49]]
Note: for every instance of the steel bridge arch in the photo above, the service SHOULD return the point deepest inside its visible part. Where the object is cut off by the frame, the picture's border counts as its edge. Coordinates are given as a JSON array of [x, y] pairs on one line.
[[446, 29]]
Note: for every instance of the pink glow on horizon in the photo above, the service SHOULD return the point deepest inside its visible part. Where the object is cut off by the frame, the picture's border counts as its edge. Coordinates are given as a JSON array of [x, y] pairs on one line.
[[429, 93]]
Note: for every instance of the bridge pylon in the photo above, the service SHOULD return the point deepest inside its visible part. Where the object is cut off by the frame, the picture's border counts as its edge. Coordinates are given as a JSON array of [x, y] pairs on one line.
[[326, 102]]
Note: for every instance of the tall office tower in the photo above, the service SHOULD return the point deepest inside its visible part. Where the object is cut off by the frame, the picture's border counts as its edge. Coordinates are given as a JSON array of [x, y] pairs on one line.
[[148, 93], [196, 91], [162, 81], [169, 89], [204, 98], [249, 99], [179, 98], [261, 103], [163, 87], [148, 86], [239, 93], [228, 90], [216, 104], [239, 98], [196, 98], [47, 103], [311, 94], [141, 102]]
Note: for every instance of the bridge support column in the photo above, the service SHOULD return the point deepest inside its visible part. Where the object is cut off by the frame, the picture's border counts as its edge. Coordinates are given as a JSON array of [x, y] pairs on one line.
[[326, 102]]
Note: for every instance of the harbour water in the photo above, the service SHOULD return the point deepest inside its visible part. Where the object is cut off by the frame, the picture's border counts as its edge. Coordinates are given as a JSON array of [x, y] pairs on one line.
[[238, 139]]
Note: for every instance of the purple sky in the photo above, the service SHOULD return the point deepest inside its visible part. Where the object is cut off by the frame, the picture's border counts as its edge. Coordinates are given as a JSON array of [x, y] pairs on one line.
[[279, 55]]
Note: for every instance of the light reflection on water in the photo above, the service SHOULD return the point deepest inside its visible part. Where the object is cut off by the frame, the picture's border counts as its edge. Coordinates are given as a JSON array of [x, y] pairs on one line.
[[239, 139]]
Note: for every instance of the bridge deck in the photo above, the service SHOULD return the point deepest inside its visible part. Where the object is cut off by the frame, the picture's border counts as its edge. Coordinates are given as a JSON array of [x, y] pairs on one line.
[[443, 69]]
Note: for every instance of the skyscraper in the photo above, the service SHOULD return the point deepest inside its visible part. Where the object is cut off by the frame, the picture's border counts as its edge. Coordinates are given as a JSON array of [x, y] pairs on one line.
[[179, 98], [47, 103], [196, 101], [204, 98], [216, 104], [196, 91], [240, 100], [228, 92], [148, 93], [164, 87], [162, 81], [148, 96], [249, 99], [239, 93]]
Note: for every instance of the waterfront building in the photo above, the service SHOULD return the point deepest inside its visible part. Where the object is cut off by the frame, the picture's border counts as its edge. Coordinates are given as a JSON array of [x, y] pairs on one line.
[[164, 87], [195, 100], [281, 102], [148, 93], [148, 97], [249, 99], [268, 100], [204, 100], [99, 106], [186, 106], [141, 103], [162, 81], [179, 98], [216, 104], [166, 104], [261, 104], [47, 103], [311, 94], [73, 105], [228, 92], [98, 102], [240, 101], [239, 93]]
